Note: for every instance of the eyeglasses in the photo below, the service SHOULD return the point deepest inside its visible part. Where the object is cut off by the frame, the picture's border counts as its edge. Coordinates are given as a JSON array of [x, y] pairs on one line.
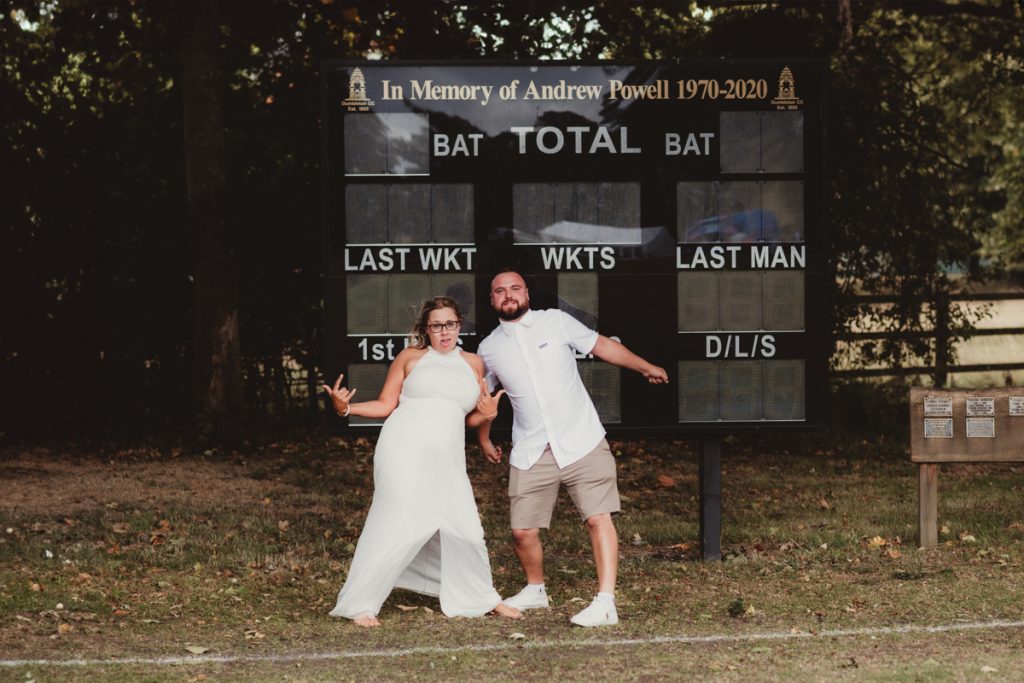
[[451, 326]]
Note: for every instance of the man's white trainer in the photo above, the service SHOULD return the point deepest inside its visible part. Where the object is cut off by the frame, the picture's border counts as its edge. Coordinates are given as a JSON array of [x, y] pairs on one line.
[[600, 612], [529, 598]]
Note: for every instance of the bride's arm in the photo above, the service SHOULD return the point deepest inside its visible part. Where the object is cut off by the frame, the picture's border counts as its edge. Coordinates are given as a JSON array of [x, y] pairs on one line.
[[483, 435], [383, 405], [486, 410], [486, 405]]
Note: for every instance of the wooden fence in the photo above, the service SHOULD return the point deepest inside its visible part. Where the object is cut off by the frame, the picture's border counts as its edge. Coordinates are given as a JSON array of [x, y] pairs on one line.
[[942, 333]]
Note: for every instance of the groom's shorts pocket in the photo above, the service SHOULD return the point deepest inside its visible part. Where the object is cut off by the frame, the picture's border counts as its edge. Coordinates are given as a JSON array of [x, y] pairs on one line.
[[532, 493], [592, 483]]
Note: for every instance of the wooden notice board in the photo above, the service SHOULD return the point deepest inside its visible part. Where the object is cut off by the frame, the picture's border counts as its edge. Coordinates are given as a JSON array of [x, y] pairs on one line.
[[960, 425], [967, 425]]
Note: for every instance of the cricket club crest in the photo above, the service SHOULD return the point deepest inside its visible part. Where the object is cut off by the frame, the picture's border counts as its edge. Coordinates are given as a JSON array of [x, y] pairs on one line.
[[787, 98], [357, 100]]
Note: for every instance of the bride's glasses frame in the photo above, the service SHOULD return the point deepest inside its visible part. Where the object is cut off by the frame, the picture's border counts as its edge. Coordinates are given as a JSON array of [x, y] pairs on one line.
[[450, 325]]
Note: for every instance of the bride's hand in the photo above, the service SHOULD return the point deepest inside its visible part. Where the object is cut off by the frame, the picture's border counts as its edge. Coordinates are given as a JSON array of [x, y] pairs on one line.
[[486, 404], [340, 396]]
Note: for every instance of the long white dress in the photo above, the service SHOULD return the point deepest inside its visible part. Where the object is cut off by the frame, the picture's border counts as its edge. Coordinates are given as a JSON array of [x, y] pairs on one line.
[[423, 531]]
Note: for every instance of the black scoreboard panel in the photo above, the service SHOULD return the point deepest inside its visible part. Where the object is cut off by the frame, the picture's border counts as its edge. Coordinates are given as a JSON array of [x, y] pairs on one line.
[[673, 206]]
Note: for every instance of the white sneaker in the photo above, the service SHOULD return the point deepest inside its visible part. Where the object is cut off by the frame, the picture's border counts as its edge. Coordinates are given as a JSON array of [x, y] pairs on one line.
[[528, 598], [598, 613]]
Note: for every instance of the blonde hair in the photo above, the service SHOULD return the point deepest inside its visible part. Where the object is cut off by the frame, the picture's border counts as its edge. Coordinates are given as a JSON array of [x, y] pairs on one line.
[[418, 334]]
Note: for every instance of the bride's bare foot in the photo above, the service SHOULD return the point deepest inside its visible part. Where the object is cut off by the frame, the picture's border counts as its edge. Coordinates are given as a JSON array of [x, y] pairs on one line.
[[503, 610], [367, 620]]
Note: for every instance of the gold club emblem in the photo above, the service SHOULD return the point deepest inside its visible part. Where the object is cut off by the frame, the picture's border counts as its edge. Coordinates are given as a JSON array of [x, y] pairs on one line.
[[787, 98], [357, 99]]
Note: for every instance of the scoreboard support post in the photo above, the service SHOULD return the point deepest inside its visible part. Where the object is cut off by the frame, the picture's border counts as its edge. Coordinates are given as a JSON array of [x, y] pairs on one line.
[[711, 498]]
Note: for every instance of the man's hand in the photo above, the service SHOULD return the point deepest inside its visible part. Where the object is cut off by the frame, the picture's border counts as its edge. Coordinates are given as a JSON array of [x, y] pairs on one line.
[[491, 452], [655, 374], [611, 351], [340, 396], [486, 404]]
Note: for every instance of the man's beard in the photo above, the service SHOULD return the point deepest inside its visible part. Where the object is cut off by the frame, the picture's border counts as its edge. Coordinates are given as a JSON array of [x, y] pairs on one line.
[[513, 313]]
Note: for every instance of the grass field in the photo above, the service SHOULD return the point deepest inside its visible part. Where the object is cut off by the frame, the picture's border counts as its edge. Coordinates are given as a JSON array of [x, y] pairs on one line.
[[222, 566]]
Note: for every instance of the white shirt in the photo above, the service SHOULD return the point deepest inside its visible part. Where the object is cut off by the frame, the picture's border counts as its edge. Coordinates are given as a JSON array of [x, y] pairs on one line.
[[533, 360]]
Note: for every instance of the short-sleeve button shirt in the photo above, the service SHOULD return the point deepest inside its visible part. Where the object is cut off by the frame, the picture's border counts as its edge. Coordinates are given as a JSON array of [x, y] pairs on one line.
[[533, 360]]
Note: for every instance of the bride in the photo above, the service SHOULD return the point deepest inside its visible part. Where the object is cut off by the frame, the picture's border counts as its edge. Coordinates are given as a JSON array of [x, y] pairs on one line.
[[423, 532]]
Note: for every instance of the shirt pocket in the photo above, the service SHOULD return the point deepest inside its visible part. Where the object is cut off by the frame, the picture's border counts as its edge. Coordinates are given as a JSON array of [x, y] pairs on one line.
[[551, 355]]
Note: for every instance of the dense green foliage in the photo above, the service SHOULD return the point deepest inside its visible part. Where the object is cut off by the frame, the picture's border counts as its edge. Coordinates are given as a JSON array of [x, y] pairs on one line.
[[925, 171]]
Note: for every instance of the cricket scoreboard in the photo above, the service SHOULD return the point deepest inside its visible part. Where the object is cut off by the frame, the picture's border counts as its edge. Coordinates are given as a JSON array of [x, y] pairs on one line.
[[675, 206]]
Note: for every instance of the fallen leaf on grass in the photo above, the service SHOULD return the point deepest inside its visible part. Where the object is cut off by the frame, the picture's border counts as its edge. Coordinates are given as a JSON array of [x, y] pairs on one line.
[[427, 610], [517, 636], [254, 635], [876, 542], [824, 503], [893, 553], [405, 608], [120, 528], [64, 629], [989, 670], [666, 481], [197, 649]]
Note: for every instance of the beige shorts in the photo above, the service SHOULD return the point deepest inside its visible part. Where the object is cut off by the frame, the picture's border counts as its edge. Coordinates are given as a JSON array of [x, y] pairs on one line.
[[590, 481]]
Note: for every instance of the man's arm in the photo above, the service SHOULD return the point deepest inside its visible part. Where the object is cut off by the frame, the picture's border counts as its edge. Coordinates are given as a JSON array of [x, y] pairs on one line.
[[483, 435], [616, 353]]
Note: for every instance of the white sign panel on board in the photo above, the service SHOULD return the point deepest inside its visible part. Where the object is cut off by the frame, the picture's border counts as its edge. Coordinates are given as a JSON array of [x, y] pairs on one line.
[[938, 428]]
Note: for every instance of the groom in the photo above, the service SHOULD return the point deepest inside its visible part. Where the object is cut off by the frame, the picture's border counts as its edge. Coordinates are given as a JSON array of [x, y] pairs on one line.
[[557, 437]]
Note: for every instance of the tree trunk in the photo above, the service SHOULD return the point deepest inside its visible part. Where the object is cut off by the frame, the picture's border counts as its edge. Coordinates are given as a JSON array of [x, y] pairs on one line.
[[217, 350], [845, 26]]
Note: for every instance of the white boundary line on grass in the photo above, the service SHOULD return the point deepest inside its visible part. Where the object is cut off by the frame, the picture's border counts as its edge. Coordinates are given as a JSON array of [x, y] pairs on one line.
[[517, 645]]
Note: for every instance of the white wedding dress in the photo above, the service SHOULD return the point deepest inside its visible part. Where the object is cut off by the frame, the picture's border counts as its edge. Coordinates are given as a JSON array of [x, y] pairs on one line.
[[423, 531]]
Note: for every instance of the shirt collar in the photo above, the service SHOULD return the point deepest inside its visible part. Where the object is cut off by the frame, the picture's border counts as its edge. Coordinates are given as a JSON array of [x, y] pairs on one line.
[[528, 319]]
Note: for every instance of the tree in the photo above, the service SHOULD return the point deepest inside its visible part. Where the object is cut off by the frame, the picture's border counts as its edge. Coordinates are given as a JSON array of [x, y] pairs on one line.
[[217, 346], [924, 145]]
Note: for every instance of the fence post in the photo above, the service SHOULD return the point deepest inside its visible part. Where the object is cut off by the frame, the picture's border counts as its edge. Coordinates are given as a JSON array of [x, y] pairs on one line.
[[941, 339]]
